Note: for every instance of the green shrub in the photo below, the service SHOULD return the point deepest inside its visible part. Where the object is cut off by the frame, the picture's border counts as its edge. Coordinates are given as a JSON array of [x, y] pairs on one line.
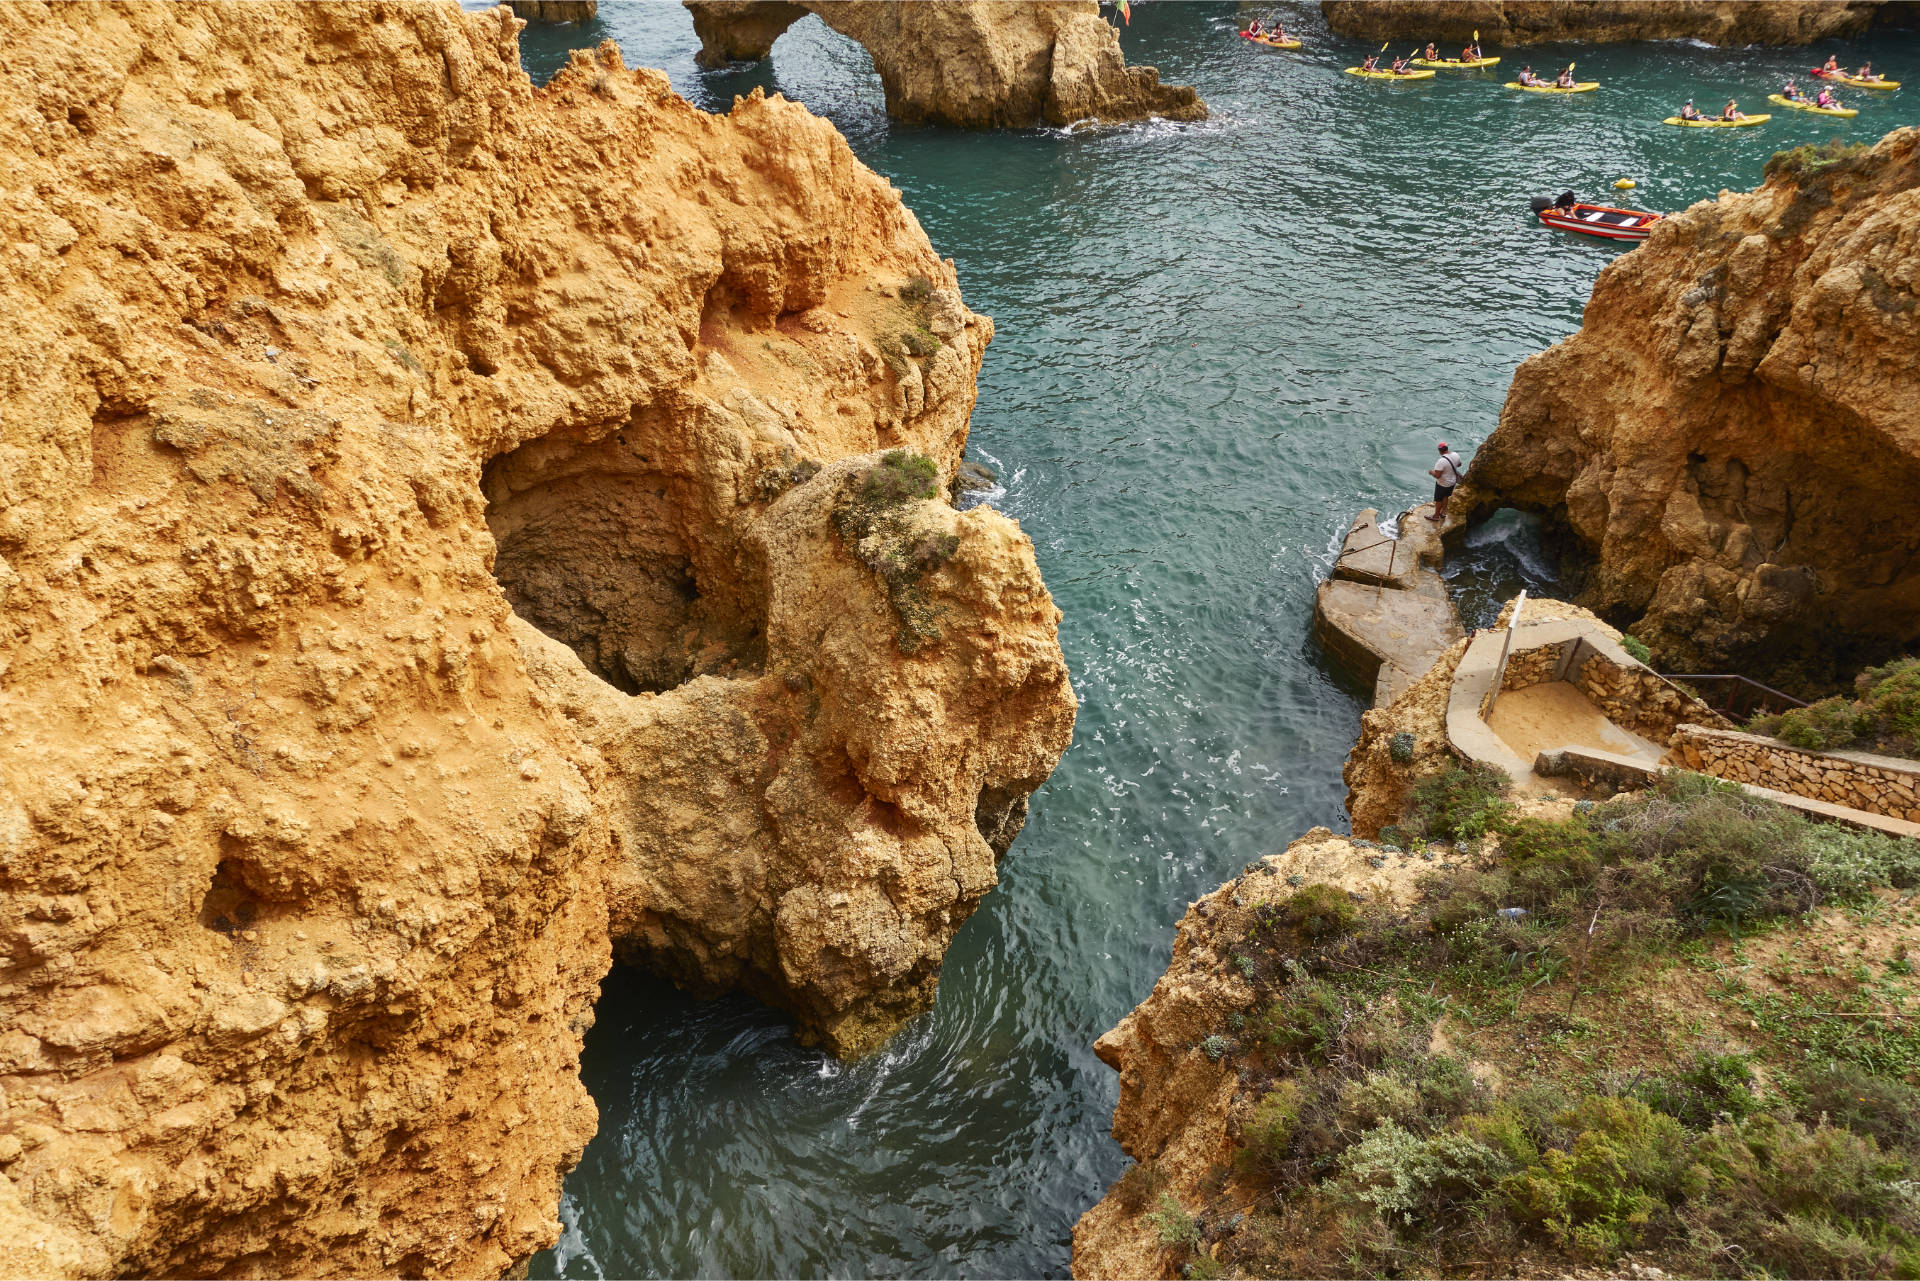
[[1398, 1173], [1636, 648], [1269, 1129], [1820, 727], [1321, 912], [1384, 1096], [1400, 748], [1215, 1047], [1810, 158], [1882, 1108], [1625, 1163], [1890, 704], [1173, 1224], [1715, 1085], [899, 477], [1142, 1182], [1885, 717], [1819, 1201], [1846, 861], [918, 341], [917, 289], [1460, 802], [1305, 1020]]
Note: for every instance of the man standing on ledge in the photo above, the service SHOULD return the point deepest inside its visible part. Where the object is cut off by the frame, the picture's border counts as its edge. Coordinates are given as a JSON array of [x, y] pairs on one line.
[[1446, 474]]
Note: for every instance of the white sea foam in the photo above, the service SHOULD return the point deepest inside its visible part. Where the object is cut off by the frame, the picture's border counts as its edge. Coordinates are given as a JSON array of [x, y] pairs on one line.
[[573, 1242]]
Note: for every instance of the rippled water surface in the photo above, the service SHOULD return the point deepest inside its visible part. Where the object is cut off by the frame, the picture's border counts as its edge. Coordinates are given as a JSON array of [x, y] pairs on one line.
[[1216, 342]]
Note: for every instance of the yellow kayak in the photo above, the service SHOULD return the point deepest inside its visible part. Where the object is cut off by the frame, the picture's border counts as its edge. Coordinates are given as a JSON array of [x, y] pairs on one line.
[[1583, 86], [1715, 122], [1273, 44], [1454, 64], [1388, 75], [1857, 84], [1783, 100]]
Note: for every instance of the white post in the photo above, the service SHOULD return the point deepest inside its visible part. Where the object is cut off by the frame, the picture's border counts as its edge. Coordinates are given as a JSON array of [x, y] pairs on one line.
[[1506, 648]]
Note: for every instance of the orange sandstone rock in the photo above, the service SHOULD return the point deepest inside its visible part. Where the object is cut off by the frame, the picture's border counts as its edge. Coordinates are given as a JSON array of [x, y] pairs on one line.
[[333, 342], [1734, 433], [977, 64]]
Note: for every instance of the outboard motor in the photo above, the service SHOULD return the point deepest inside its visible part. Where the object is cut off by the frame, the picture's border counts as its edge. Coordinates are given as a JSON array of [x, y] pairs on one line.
[[1540, 204]]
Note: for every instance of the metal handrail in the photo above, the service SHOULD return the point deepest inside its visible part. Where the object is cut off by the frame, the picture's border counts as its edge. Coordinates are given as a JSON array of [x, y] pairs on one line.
[[1760, 693]]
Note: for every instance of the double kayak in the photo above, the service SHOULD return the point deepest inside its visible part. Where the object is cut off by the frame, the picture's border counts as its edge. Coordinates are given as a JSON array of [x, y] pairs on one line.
[[1388, 75], [1454, 64], [1584, 86], [1715, 122], [1603, 221], [1843, 112], [1846, 79], [1271, 44]]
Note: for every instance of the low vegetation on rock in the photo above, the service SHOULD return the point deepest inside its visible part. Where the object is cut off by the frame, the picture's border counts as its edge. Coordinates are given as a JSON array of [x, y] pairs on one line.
[[1626, 1028], [1883, 717], [874, 519]]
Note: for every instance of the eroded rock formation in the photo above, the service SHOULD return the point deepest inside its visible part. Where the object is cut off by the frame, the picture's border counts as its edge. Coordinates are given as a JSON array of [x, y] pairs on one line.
[[1516, 22], [331, 337], [1733, 435], [1182, 1091], [977, 64]]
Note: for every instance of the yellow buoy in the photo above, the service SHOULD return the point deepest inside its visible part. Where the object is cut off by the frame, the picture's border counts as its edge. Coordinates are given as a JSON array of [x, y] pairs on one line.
[[1625, 184]]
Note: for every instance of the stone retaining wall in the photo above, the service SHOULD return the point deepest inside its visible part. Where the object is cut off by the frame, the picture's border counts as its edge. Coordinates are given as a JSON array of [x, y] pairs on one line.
[[1877, 784], [1631, 694]]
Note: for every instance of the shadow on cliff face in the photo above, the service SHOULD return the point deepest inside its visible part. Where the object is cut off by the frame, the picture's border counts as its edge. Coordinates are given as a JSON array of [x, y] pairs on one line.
[[597, 549]]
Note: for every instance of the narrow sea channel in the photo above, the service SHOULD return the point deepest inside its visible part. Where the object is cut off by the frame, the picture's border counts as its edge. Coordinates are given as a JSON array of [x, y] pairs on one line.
[[1216, 343]]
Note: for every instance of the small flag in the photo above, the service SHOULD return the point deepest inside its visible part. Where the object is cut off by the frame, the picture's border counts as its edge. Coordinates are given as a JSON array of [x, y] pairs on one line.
[[1126, 11]]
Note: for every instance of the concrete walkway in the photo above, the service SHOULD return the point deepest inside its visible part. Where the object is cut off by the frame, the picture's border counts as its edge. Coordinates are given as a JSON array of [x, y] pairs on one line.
[[1384, 616]]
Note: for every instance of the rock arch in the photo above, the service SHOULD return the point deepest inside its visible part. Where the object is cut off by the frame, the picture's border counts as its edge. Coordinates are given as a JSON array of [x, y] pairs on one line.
[[969, 63]]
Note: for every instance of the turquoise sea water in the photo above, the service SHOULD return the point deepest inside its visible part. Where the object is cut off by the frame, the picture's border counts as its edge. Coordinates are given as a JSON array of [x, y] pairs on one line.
[[1216, 343]]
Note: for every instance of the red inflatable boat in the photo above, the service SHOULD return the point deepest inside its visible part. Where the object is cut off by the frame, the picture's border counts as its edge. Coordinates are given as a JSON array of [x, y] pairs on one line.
[[1603, 221]]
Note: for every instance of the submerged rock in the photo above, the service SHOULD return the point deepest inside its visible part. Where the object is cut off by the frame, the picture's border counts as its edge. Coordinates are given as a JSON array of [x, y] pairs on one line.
[[977, 64], [1734, 434], [423, 574]]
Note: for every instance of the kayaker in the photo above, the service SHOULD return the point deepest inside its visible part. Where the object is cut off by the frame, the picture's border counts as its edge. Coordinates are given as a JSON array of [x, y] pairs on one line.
[[1689, 112], [1832, 67], [1433, 54], [1791, 90], [1565, 79], [1471, 53], [1826, 99], [1447, 474], [1732, 111], [1399, 66], [1254, 31], [1277, 33], [1370, 64], [1867, 73], [1526, 76]]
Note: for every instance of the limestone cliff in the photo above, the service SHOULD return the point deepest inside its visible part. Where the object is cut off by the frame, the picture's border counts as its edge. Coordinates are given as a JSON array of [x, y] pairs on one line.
[[1733, 436], [977, 64], [1519, 22], [1182, 1092], [333, 344]]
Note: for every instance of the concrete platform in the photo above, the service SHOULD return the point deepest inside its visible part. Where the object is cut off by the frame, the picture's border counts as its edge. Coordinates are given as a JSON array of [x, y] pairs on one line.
[[1385, 616], [1385, 637]]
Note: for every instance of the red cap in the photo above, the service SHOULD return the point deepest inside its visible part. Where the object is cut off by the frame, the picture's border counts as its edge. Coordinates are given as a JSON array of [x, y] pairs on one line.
[[1443, 444]]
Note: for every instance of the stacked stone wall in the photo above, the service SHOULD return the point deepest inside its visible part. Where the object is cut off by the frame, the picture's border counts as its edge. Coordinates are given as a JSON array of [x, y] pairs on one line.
[[1635, 698], [1534, 666], [1632, 696], [1877, 784]]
